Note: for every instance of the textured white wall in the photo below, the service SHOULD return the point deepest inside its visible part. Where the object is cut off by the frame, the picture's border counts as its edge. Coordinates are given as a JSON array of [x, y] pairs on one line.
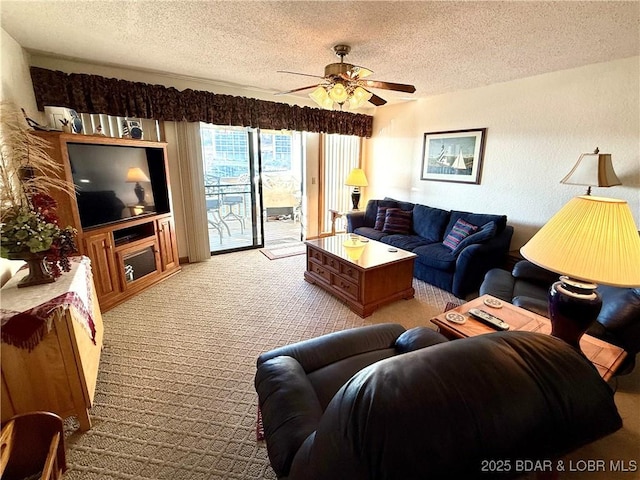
[[536, 129], [16, 80]]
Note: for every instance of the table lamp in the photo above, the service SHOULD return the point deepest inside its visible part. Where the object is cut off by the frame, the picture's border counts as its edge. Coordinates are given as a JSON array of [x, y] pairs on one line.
[[356, 179], [590, 240], [592, 170], [136, 175]]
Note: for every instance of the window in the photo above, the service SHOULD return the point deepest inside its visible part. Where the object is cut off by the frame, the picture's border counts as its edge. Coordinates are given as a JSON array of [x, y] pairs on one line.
[[275, 149], [224, 151]]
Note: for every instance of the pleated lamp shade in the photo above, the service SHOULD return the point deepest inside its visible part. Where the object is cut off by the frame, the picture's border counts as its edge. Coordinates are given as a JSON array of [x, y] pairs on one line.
[[135, 174], [357, 178], [591, 238]]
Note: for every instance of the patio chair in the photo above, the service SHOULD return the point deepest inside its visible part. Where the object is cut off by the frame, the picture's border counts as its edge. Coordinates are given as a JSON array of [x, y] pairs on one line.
[[214, 218]]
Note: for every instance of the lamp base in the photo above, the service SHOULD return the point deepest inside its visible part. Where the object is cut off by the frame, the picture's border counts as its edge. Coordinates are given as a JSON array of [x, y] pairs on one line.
[[573, 306], [355, 198], [139, 191]]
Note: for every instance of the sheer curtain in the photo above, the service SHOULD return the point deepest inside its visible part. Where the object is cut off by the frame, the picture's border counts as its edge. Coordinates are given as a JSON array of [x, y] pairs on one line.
[[189, 150], [340, 154]]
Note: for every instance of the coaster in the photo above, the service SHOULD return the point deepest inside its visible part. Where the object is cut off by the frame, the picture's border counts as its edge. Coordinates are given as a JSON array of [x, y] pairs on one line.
[[493, 302], [455, 318]]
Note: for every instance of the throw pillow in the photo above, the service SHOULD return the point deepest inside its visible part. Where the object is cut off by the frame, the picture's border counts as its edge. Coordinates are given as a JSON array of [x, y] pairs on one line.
[[380, 217], [397, 221], [459, 232], [487, 231]]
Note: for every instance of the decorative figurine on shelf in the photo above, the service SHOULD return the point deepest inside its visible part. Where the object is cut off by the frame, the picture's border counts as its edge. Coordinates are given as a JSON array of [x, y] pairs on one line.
[[131, 129], [98, 131], [66, 128], [76, 121]]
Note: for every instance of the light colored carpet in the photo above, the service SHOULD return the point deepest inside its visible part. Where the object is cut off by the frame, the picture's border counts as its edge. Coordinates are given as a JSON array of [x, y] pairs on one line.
[[175, 397]]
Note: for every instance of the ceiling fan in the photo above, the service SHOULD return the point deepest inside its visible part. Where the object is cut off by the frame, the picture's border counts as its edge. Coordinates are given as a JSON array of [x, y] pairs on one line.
[[344, 84]]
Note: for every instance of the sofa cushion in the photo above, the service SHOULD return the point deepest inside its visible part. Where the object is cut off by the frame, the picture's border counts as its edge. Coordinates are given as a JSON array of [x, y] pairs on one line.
[[381, 217], [436, 255], [405, 242], [461, 230], [484, 233], [371, 212], [476, 219], [397, 221], [370, 232], [429, 222], [407, 206]]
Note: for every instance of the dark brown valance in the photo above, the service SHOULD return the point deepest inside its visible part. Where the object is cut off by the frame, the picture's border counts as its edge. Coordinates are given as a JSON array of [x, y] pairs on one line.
[[95, 94]]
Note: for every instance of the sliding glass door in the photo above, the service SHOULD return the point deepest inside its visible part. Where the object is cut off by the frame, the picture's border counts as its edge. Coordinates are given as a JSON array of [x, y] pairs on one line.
[[282, 186], [231, 169], [253, 186]]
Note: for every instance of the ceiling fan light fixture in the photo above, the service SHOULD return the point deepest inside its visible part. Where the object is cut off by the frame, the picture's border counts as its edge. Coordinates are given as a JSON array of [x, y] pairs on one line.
[[359, 97], [363, 72], [342, 80], [320, 96], [338, 93]]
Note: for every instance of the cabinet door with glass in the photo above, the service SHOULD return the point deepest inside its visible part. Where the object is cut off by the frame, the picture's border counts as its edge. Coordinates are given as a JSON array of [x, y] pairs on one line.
[[139, 263]]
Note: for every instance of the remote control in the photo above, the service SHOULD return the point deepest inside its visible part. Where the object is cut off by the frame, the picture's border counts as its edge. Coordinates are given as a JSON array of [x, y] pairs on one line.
[[489, 319]]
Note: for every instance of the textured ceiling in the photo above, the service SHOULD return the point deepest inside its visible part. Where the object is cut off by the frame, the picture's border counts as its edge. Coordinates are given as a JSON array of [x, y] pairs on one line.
[[437, 46]]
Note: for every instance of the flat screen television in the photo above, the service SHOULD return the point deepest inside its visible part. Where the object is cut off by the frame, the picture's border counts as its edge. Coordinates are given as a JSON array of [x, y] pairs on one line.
[[115, 183]]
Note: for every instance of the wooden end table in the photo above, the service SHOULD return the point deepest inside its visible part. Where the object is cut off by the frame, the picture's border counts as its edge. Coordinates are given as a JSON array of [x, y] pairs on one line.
[[606, 357]]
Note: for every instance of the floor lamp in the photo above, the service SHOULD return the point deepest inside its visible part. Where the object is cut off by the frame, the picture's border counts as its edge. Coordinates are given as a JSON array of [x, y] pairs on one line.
[[356, 179], [590, 240]]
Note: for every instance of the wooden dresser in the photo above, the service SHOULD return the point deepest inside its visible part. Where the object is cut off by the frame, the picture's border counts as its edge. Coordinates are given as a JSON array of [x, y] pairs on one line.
[[58, 372]]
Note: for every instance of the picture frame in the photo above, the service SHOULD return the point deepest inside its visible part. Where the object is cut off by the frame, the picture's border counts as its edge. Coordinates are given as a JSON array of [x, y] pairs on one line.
[[453, 156]]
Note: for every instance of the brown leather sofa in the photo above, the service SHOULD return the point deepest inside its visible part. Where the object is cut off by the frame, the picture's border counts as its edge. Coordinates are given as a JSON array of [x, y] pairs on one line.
[[379, 402]]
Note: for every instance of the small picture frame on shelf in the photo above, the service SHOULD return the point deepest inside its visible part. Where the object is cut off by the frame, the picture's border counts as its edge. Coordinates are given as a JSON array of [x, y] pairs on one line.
[[453, 156]]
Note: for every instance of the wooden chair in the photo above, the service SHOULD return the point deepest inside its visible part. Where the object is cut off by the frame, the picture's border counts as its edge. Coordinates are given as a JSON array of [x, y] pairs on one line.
[[32, 444]]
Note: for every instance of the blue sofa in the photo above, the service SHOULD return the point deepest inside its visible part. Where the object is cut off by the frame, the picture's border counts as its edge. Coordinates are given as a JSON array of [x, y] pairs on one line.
[[460, 270]]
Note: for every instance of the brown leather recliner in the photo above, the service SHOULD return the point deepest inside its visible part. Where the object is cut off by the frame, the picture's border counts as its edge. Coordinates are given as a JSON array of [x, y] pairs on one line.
[[380, 402]]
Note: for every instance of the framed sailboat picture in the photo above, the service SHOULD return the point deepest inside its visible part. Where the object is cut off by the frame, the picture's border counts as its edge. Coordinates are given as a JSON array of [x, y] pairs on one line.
[[454, 156]]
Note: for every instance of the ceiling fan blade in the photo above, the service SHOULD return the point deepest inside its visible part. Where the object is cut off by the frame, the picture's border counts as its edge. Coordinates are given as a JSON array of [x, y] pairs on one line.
[[376, 100], [400, 87], [296, 89], [303, 74]]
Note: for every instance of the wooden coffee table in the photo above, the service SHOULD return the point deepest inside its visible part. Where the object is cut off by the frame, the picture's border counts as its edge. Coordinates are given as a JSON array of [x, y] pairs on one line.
[[365, 276], [606, 357]]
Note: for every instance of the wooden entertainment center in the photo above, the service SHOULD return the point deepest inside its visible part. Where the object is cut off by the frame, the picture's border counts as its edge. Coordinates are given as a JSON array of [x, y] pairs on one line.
[[132, 253]]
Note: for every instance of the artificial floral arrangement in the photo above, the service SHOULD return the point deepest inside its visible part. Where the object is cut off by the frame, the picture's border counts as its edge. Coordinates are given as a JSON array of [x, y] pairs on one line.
[[28, 219]]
